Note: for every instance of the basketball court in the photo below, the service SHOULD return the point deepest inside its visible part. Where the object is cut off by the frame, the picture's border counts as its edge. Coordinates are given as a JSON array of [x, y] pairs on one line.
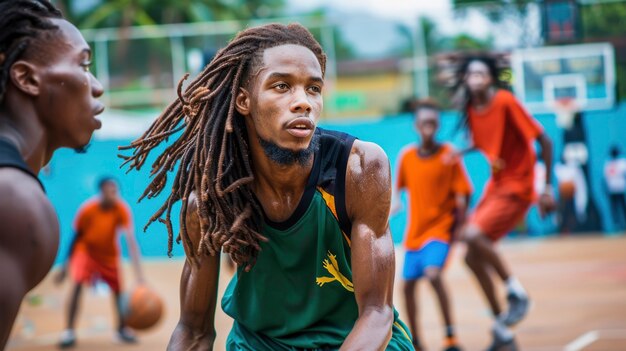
[[577, 285]]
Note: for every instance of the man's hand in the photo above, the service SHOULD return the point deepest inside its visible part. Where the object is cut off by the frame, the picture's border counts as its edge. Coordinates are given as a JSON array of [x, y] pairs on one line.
[[546, 204], [60, 275], [452, 156]]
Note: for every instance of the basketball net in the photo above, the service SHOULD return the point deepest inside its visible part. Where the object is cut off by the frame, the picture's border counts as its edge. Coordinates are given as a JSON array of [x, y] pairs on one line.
[[565, 110]]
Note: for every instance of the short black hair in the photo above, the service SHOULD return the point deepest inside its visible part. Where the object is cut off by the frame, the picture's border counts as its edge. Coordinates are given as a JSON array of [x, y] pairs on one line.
[[614, 151], [427, 104], [106, 180]]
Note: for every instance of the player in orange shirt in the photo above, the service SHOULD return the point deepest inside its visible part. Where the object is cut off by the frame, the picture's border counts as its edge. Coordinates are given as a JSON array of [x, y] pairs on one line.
[[94, 254], [438, 193], [502, 129]]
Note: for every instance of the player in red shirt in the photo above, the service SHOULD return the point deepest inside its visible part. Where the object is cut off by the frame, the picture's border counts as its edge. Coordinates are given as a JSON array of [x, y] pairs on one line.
[[504, 132], [438, 193], [94, 253]]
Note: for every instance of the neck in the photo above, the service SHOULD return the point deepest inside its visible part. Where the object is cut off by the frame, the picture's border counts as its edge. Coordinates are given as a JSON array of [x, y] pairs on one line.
[[482, 98], [21, 127], [428, 147], [275, 178]]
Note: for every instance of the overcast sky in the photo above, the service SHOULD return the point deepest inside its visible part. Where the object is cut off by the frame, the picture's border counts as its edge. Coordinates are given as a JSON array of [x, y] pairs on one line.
[[357, 20]]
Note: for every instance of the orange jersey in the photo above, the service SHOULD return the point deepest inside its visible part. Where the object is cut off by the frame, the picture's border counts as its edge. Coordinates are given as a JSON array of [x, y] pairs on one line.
[[432, 186], [97, 229], [504, 131]]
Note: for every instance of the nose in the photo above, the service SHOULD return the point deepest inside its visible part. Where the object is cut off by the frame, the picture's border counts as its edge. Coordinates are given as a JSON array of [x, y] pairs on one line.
[[96, 88], [300, 102]]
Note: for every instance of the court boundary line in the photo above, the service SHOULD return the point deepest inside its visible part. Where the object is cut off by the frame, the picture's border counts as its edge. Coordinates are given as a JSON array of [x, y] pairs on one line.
[[592, 336]]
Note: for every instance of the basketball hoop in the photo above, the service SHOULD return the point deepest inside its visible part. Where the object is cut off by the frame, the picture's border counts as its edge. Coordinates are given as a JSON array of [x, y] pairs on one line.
[[565, 110]]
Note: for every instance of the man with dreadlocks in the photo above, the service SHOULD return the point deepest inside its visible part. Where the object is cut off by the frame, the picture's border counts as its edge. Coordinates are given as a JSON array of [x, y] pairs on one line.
[[301, 210], [501, 128], [48, 100]]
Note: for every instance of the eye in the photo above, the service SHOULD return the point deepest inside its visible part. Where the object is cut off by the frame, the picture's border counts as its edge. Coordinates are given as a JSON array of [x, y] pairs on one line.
[[316, 89], [281, 86], [86, 66]]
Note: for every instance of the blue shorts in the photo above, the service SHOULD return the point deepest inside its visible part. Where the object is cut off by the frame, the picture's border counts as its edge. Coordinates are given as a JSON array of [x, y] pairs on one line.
[[433, 254]]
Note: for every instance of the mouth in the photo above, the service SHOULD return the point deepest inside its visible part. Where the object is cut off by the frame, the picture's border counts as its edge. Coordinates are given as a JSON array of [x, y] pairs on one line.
[[99, 109], [301, 127]]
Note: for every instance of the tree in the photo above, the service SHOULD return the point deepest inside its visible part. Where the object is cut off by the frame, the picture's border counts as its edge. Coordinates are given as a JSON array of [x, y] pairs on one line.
[[506, 13], [599, 20], [125, 13]]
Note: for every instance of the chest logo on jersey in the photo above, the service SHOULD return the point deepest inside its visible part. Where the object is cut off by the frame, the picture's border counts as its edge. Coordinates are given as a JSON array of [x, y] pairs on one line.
[[331, 265]]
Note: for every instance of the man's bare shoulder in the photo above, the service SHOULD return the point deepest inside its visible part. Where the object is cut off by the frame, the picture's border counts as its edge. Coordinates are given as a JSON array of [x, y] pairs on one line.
[[367, 159], [368, 183], [192, 219], [18, 188], [29, 228]]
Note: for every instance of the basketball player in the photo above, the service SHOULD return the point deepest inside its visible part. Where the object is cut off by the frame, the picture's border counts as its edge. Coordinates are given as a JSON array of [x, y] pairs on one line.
[[94, 254], [438, 193], [502, 129], [301, 210], [48, 100]]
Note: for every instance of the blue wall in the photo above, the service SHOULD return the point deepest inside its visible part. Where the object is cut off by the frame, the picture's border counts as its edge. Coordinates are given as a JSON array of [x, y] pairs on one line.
[[72, 177]]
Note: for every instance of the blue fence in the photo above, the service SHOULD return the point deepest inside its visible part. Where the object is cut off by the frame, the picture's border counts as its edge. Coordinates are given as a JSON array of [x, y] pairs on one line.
[[71, 178]]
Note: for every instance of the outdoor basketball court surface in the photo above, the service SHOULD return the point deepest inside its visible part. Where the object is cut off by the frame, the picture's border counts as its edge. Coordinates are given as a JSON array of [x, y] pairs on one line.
[[578, 287]]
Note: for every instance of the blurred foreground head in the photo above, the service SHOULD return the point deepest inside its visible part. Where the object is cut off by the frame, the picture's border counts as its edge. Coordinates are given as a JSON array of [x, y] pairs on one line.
[[45, 83]]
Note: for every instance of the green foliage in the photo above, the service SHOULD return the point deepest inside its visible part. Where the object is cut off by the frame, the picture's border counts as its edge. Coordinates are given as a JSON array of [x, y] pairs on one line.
[[602, 20], [495, 10], [123, 13]]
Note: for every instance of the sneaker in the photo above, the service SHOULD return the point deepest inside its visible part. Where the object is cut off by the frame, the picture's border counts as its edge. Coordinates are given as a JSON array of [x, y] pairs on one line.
[[500, 344], [125, 336], [518, 308], [68, 339], [450, 344]]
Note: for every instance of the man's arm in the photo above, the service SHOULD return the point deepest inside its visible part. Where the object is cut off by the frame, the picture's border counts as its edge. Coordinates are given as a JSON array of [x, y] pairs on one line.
[[368, 194], [546, 200], [133, 250], [62, 272], [461, 205], [198, 293], [29, 238]]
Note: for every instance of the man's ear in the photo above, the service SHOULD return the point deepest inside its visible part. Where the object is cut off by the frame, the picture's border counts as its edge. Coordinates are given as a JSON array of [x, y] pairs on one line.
[[242, 102], [25, 77]]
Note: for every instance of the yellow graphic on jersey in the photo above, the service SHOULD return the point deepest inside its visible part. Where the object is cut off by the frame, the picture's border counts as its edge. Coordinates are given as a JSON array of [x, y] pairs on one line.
[[330, 264]]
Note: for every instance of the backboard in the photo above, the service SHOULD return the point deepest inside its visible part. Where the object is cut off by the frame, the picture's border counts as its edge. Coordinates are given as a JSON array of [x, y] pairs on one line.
[[584, 73]]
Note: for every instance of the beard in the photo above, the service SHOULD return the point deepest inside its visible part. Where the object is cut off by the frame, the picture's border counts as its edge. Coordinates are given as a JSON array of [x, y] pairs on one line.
[[287, 157], [82, 149]]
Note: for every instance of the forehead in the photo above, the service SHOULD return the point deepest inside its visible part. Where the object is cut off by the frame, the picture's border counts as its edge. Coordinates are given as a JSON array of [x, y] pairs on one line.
[[292, 59], [427, 115], [477, 66], [67, 39], [109, 185]]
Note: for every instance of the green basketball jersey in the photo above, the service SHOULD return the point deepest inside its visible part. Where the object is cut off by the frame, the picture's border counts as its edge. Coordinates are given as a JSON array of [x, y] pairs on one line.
[[299, 294]]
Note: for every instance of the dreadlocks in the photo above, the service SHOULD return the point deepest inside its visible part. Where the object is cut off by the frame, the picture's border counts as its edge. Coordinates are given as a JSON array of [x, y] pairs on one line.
[[462, 97], [22, 21], [212, 148]]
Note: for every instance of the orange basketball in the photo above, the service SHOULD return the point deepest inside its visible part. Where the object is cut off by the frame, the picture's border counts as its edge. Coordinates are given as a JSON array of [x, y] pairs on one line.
[[144, 310], [567, 190]]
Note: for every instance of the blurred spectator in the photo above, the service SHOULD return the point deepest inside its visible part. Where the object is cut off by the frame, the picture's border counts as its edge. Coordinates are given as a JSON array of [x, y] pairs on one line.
[[615, 180], [573, 196]]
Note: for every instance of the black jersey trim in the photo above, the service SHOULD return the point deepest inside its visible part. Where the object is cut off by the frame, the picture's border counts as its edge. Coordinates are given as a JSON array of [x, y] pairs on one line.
[[340, 197], [306, 199], [10, 158]]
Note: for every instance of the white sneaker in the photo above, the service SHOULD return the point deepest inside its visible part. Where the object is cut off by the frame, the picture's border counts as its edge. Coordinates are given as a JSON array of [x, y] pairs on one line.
[[68, 339]]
